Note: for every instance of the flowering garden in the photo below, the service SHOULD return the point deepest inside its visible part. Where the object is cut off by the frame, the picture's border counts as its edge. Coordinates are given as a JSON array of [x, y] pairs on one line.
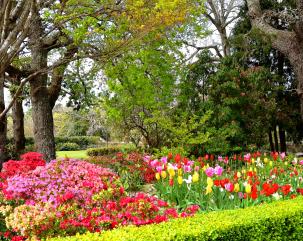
[[69, 197]]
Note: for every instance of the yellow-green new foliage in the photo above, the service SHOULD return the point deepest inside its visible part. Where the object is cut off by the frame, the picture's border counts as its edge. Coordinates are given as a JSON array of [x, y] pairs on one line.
[[281, 220]]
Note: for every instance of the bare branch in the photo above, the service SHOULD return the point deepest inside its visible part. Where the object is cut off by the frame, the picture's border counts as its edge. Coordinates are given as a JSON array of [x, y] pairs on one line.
[[199, 48]]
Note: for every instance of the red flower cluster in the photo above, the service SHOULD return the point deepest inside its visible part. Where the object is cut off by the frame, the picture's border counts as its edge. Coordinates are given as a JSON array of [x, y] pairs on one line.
[[11, 236], [28, 162]]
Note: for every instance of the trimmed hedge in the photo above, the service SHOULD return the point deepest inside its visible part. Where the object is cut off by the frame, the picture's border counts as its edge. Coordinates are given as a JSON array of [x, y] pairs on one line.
[[102, 151], [281, 220], [68, 146], [82, 141]]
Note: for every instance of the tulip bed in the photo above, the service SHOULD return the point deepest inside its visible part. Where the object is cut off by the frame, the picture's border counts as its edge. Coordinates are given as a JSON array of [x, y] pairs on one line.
[[227, 182]]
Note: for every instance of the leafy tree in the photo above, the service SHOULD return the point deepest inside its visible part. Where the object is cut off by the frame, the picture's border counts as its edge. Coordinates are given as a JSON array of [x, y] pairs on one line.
[[141, 84]]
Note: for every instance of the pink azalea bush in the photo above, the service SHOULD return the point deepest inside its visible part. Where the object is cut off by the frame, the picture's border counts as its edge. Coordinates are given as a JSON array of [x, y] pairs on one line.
[[60, 180]]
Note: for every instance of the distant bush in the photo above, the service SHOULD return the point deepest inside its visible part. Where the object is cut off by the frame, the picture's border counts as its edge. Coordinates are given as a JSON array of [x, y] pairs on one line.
[[68, 146], [83, 141], [102, 151]]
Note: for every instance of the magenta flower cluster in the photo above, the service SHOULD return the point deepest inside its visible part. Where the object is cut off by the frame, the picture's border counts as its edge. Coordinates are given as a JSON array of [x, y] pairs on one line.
[[59, 180]]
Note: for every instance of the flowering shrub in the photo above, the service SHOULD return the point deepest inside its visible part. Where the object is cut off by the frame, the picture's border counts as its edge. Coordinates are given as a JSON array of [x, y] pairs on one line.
[[132, 169], [65, 197], [58, 181], [276, 221], [29, 161], [227, 182]]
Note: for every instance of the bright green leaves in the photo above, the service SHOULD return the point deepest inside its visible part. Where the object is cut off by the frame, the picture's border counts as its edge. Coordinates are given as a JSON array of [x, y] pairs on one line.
[[110, 28]]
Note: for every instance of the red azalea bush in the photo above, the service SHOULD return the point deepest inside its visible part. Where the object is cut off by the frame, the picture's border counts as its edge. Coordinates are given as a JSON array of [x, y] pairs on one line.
[[29, 161]]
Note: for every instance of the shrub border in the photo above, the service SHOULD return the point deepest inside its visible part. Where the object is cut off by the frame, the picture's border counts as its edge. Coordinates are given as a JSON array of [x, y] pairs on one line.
[[279, 220]]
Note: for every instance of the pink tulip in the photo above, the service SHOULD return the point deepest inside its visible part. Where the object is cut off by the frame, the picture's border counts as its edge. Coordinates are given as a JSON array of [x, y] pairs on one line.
[[218, 170], [210, 171]]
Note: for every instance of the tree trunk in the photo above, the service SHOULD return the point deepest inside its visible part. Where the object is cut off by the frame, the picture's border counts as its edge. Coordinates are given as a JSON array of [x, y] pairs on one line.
[[297, 63], [43, 119], [225, 42], [272, 148], [276, 139], [3, 125], [282, 140], [18, 126], [41, 108]]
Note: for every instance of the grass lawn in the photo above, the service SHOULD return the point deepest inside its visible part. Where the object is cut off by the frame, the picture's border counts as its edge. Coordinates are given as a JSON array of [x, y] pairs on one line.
[[72, 154]]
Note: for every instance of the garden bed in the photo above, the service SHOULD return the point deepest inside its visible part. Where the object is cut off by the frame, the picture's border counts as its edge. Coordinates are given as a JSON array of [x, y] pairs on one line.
[[67, 197]]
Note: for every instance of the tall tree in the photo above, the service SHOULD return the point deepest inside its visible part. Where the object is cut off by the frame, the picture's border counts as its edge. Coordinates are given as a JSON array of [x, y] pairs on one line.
[[15, 18]]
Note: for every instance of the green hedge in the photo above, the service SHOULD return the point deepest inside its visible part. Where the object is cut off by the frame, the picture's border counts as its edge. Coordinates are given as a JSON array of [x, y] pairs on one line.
[[281, 220], [68, 146], [109, 150], [82, 141]]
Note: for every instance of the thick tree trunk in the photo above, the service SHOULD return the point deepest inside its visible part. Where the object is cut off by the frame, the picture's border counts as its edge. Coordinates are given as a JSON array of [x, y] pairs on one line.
[[282, 138], [18, 126], [43, 122], [41, 108], [3, 125]]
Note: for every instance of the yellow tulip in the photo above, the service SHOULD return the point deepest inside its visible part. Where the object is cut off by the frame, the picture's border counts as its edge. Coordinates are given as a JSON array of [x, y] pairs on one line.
[[265, 160], [163, 174], [253, 160], [180, 180], [248, 188], [158, 176], [208, 189], [250, 169], [180, 172], [210, 182], [195, 177], [255, 169], [171, 172], [239, 174], [285, 163], [270, 163], [243, 171], [237, 187]]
